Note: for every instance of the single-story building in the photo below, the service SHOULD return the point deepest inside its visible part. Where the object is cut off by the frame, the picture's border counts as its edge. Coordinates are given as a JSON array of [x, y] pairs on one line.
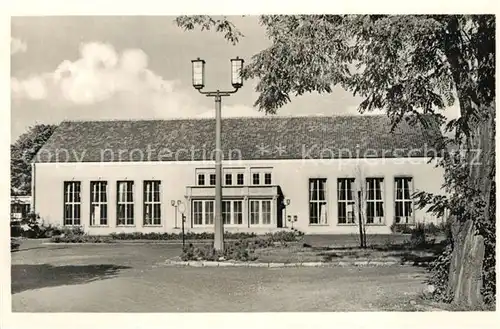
[[317, 174], [20, 207]]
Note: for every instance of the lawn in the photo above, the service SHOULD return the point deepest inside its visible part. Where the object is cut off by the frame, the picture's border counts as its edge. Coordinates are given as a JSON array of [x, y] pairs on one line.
[[133, 278]]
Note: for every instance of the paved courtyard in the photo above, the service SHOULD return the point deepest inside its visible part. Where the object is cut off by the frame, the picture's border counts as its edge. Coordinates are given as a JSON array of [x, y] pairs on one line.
[[131, 278]]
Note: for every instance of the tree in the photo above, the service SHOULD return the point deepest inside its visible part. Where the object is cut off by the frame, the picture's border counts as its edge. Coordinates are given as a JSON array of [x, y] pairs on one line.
[[22, 153], [412, 67]]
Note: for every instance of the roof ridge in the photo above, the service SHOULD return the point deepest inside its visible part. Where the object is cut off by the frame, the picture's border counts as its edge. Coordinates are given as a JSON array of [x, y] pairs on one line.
[[263, 117]]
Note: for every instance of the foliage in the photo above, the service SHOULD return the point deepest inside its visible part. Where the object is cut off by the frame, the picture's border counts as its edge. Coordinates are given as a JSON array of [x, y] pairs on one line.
[[178, 236], [221, 25], [243, 249], [439, 271], [22, 153], [236, 250], [14, 245], [81, 238]]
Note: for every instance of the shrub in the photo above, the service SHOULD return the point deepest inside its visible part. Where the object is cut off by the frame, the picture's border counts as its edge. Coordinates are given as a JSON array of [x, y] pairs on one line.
[[418, 237], [236, 250], [401, 228], [14, 245], [439, 269], [81, 239]]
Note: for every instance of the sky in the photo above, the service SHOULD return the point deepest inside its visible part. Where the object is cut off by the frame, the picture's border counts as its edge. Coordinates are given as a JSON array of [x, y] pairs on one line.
[[134, 67]]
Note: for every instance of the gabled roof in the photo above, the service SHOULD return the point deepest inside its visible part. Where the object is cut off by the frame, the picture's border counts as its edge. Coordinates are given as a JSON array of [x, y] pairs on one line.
[[250, 138]]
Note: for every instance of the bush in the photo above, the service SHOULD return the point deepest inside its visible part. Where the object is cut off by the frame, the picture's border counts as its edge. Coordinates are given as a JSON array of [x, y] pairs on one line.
[[14, 245], [178, 236], [237, 250], [418, 237], [439, 269], [81, 239]]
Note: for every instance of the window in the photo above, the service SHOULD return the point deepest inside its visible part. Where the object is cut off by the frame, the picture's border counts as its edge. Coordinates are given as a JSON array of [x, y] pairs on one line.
[[237, 212], [267, 178], [255, 179], [232, 212], [403, 187], [72, 203], [201, 179], [260, 212], [98, 203], [374, 200], [346, 201], [212, 179], [226, 212], [125, 203], [203, 212], [240, 179], [152, 203], [229, 179], [317, 201]]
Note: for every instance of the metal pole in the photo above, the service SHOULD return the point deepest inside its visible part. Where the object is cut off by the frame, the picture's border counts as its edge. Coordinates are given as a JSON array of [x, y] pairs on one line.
[[183, 220], [218, 224], [175, 216]]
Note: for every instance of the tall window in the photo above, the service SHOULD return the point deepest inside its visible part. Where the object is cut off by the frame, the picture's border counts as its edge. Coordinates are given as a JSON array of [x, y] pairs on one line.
[[240, 179], [226, 212], [260, 212], [232, 212], [237, 212], [72, 203], [229, 179], [346, 201], [403, 187], [374, 200], [212, 179], [317, 201], [203, 212], [98, 203], [201, 179], [125, 203], [152, 203]]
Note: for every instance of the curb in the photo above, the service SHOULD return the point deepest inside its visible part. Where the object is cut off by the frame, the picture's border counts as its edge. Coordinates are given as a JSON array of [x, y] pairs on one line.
[[118, 242], [171, 263]]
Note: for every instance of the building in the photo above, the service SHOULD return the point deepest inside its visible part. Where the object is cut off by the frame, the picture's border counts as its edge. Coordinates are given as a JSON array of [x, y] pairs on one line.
[[20, 207], [278, 172]]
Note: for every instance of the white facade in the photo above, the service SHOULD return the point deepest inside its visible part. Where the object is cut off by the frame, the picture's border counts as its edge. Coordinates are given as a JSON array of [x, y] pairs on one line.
[[286, 188]]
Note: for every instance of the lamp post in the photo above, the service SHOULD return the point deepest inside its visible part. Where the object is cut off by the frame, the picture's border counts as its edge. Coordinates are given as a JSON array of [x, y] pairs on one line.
[[198, 66], [182, 209]]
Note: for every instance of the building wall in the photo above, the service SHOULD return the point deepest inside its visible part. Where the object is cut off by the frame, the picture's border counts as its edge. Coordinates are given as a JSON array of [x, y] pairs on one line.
[[292, 177]]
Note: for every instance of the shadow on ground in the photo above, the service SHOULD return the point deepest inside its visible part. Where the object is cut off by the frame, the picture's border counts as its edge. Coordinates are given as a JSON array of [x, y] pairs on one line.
[[28, 277]]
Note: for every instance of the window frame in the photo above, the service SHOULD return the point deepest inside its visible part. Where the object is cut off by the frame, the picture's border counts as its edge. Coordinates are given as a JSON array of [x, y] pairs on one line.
[[204, 217], [238, 175], [100, 203], [200, 179], [127, 203], [226, 176], [375, 201], [70, 201], [318, 201], [232, 211], [346, 202], [260, 213], [411, 189], [152, 202]]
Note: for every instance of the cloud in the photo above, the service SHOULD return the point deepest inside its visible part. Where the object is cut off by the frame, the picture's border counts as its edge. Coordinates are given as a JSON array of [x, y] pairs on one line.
[[17, 46], [33, 87], [118, 85]]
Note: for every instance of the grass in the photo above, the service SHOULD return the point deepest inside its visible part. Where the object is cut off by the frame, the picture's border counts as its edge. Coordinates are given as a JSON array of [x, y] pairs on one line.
[[131, 278]]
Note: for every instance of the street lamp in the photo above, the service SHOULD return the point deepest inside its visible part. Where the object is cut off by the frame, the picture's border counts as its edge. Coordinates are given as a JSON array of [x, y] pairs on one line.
[[198, 84]]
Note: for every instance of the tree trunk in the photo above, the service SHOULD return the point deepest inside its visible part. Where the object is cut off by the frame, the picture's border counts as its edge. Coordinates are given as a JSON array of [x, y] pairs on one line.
[[465, 276]]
